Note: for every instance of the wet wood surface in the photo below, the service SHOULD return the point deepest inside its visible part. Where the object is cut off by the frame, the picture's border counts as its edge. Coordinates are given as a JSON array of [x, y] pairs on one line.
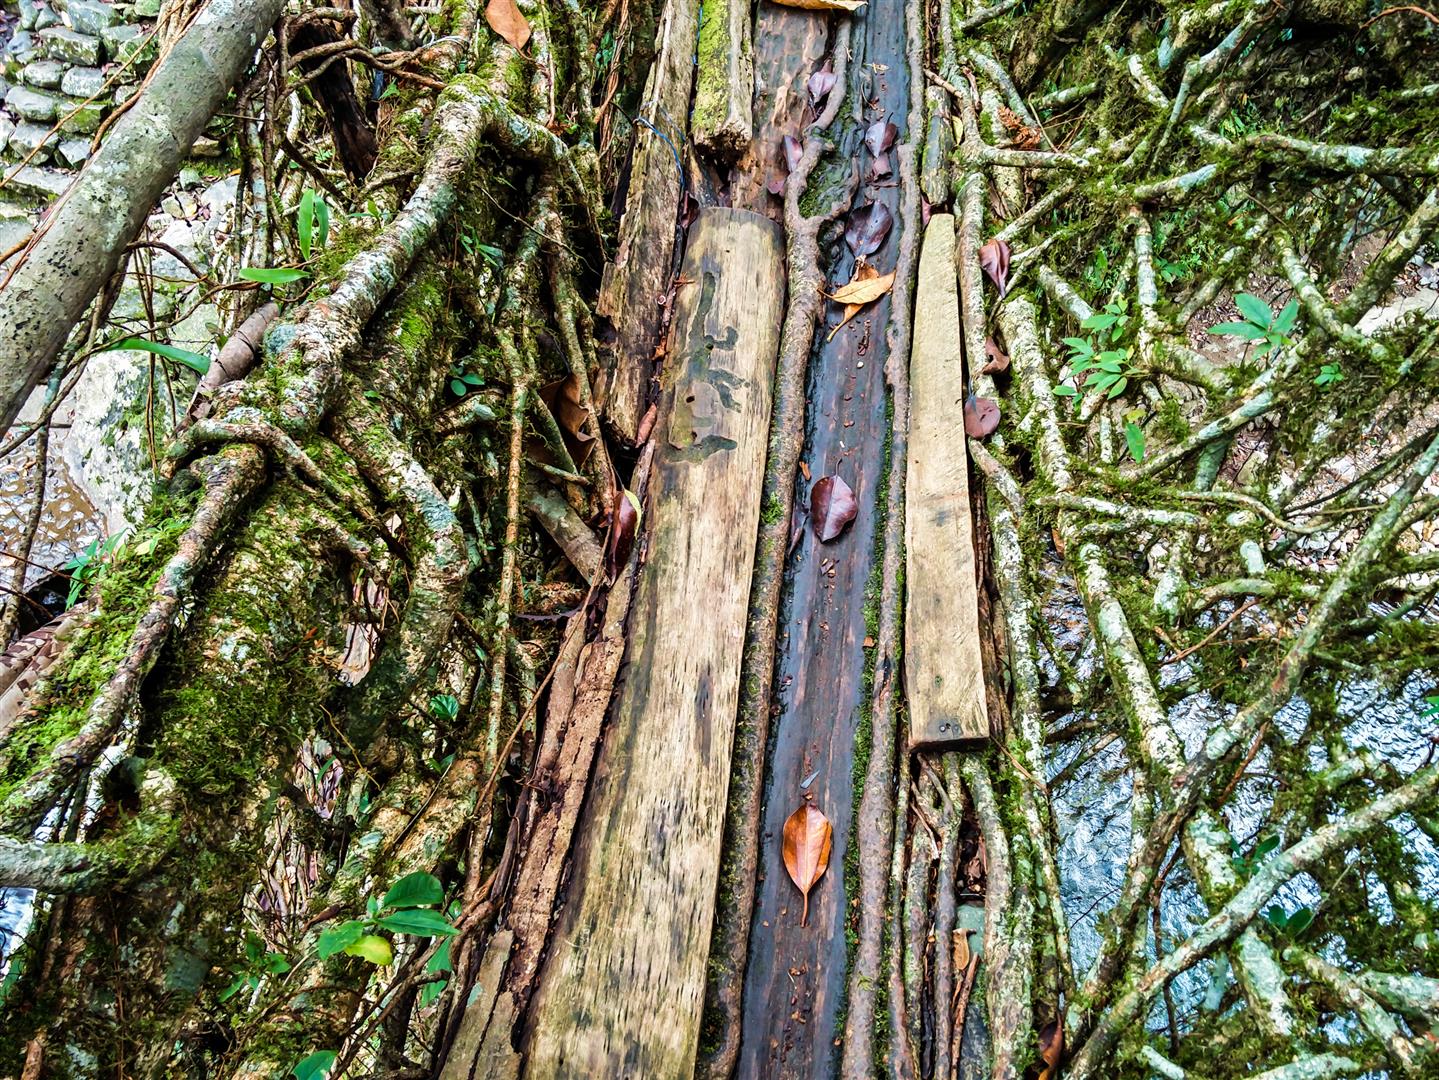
[[795, 975], [622, 989], [943, 671]]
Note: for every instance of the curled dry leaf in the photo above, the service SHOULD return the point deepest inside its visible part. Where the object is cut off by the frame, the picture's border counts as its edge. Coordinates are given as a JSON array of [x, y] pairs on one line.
[[867, 229], [624, 522], [981, 416], [864, 289], [807, 838], [508, 21], [880, 136], [1051, 1048], [998, 358], [819, 85], [863, 272], [832, 506], [994, 261], [793, 151]]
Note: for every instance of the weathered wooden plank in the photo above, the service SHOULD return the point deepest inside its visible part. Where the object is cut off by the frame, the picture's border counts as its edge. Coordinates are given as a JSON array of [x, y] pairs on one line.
[[723, 114], [622, 989], [944, 677], [633, 291]]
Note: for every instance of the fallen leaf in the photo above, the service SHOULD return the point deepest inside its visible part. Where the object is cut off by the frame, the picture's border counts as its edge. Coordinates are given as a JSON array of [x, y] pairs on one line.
[[506, 20], [864, 290], [563, 399], [981, 416], [832, 506], [961, 949], [819, 86], [994, 261], [879, 167], [880, 136], [624, 521], [807, 838], [1051, 1046], [868, 228], [998, 358], [863, 272], [793, 151], [823, 5], [804, 468]]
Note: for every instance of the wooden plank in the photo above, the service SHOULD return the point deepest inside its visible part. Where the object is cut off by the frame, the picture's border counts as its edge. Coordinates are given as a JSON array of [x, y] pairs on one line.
[[632, 294], [944, 677], [723, 112], [622, 989]]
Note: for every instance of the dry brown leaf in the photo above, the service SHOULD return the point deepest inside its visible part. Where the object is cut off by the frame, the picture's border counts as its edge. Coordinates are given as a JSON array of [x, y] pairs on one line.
[[807, 838], [994, 261], [823, 5], [1051, 1046], [961, 949], [864, 289], [998, 358], [863, 272], [508, 21]]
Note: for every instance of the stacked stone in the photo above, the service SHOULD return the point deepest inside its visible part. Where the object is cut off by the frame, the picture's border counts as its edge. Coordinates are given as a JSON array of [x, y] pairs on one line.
[[58, 66]]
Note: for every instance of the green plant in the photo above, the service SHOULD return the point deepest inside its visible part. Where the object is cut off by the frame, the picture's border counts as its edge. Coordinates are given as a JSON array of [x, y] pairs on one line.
[[405, 909], [463, 380], [1329, 374], [312, 222], [1261, 324], [1293, 924], [444, 707], [192, 360], [1246, 865], [276, 275], [87, 566], [1134, 438], [259, 963], [314, 1066], [1109, 368]]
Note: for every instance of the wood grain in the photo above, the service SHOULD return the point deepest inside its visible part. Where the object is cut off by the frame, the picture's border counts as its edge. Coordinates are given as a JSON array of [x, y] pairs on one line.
[[632, 294], [622, 988], [944, 677]]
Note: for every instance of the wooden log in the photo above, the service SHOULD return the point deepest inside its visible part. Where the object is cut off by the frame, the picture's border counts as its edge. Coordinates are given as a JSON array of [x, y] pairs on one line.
[[632, 294], [944, 677], [723, 114], [622, 988]]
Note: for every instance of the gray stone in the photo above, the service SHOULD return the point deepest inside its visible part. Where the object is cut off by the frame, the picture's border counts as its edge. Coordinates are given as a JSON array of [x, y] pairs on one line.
[[89, 16], [44, 183], [84, 119], [44, 73], [63, 44], [145, 9], [205, 147], [126, 40], [33, 104], [73, 152], [29, 10], [13, 230], [83, 82], [190, 178], [21, 52], [46, 17], [125, 93], [7, 128], [33, 139]]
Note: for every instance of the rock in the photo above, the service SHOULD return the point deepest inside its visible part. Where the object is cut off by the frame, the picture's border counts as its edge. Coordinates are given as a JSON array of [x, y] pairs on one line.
[[205, 147], [63, 44], [46, 17], [7, 128], [125, 93], [29, 11], [12, 231], [145, 9], [83, 82], [36, 139], [73, 152], [185, 237], [89, 16], [180, 205], [86, 118], [33, 104], [43, 73], [190, 178], [44, 183], [125, 41]]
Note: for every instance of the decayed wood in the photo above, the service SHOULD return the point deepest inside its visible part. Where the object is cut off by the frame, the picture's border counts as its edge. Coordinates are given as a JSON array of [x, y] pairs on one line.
[[723, 115], [622, 988], [944, 675], [632, 294]]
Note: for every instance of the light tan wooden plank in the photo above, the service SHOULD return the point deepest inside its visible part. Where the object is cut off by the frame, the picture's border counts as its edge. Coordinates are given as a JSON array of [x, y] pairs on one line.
[[944, 679], [623, 986]]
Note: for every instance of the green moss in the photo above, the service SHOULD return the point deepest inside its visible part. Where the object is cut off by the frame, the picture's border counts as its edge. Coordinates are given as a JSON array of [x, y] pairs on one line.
[[712, 67]]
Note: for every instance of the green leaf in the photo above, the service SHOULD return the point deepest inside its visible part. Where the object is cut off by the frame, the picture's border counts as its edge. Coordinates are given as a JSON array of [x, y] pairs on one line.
[[418, 921], [1079, 345], [372, 947], [339, 938], [1284, 322], [305, 221], [415, 890], [1254, 309], [1115, 367], [1134, 439], [192, 360], [458, 387], [1119, 387], [1101, 379], [314, 1067], [472, 379], [1080, 364], [438, 962], [1238, 329], [1276, 916], [241, 981], [1065, 391], [1263, 348], [1299, 921], [1101, 321], [1265, 846], [322, 220], [279, 275]]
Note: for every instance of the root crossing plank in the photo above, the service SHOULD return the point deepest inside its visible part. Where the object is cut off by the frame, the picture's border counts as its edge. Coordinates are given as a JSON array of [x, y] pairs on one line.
[[623, 986], [944, 677]]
